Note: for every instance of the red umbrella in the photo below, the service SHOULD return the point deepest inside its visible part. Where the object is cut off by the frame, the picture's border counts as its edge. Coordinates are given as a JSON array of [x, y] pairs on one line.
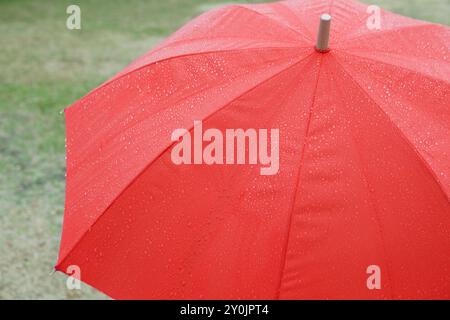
[[341, 189]]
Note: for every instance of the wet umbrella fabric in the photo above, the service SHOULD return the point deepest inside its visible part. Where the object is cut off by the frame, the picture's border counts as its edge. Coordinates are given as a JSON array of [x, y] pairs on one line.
[[364, 172]]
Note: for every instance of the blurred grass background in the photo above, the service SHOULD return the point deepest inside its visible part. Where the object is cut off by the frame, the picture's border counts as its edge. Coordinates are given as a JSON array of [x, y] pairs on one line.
[[44, 68]]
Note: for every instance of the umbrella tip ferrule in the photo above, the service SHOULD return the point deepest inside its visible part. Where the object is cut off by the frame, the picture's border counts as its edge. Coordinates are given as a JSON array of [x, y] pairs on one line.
[[323, 36]]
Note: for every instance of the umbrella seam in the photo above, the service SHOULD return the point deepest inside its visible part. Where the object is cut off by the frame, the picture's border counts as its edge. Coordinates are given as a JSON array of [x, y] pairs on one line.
[[269, 18], [285, 248], [285, 6], [377, 217], [119, 76], [376, 211], [152, 114], [62, 260], [178, 42], [377, 33], [392, 54], [395, 65], [402, 135]]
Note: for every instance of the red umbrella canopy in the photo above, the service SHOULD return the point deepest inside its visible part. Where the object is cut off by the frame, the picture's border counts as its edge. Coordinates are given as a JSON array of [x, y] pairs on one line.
[[339, 187]]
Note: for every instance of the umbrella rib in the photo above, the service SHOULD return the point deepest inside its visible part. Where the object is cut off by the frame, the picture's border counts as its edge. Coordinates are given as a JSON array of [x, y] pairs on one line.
[[375, 209], [307, 33], [285, 248], [377, 216], [385, 52], [395, 65], [402, 135], [192, 54], [357, 39], [180, 42], [61, 260], [195, 93], [267, 17]]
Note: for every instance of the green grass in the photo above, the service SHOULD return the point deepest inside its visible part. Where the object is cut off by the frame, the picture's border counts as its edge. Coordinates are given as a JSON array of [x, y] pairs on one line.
[[44, 68]]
